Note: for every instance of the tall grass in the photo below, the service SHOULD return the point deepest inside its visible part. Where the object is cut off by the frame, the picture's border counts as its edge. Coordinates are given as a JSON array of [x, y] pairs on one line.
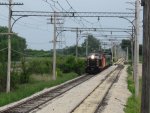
[[26, 90], [133, 103], [23, 83]]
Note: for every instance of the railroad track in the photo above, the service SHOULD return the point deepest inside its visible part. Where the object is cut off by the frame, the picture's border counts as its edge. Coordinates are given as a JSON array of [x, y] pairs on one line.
[[100, 105], [37, 101], [93, 102]]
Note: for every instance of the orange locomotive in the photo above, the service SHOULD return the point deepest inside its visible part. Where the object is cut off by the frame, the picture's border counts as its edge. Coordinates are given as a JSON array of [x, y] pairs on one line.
[[97, 62]]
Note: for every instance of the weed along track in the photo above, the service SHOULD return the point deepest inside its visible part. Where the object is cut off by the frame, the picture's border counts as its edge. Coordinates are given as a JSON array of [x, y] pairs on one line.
[[37, 102], [93, 102]]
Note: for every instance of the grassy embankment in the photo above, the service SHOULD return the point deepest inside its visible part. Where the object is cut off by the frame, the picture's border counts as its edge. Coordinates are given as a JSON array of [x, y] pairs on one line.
[[133, 103], [34, 86]]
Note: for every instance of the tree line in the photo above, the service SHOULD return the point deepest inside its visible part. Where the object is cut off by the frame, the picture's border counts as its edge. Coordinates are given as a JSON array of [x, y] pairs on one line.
[[127, 43], [18, 46]]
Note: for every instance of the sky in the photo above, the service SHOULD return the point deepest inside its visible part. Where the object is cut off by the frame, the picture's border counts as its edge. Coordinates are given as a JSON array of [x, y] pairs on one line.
[[39, 34]]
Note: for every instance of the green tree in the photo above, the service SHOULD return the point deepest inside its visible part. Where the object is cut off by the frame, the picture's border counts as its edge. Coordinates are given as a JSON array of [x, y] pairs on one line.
[[18, 45], [125, 44], [93, 44]]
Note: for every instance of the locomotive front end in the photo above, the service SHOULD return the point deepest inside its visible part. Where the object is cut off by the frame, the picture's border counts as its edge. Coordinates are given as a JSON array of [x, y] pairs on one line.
[[93, 61]]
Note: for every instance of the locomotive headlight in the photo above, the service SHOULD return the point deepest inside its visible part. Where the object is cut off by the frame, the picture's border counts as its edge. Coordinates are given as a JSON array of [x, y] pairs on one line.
[[92, 57]]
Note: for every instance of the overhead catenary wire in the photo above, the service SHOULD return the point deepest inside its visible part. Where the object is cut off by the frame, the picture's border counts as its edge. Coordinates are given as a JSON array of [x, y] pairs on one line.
[[40, 23], [51, 5], [76, 11], [26, 24], [33, 18], [18, 52], [56, 2]]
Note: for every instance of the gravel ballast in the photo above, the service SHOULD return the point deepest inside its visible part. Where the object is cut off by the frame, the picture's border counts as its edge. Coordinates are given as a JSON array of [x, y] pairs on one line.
[[68, 101], [118, 95]]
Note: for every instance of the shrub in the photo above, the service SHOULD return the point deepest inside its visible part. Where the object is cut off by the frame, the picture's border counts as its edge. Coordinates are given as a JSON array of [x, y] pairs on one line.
[[59, 73], [25, 72], [3, 76], [71, 64], [15, 79], [40, 66], [80, 66]]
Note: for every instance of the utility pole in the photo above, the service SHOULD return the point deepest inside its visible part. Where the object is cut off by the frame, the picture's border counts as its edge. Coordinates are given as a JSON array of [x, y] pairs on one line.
[[9, 42], [87, 46], [112, 51], [132, 46], [54, 49], [77, 39], [115, 55], [104, 46], [127, 58], [136, 47], [53, 20], [145, 107], [9, 48]]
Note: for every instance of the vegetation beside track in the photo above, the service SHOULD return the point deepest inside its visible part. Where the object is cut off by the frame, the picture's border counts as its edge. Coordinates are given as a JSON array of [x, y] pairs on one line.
[[133, 103], [32, 87], [29, 76]]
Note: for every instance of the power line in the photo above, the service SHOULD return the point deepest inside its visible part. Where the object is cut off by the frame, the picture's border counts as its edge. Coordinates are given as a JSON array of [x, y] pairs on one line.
[[52, 6], [73, 14], [18, 52], [10, 4], [69, 11], [69, 4], [80, 29], [79, 21], [76, 11]]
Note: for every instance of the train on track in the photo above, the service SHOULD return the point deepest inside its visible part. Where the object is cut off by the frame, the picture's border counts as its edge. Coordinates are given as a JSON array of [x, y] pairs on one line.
[[98, 61]]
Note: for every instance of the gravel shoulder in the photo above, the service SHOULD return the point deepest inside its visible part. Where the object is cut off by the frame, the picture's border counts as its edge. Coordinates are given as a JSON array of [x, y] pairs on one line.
[[116, 101], [118, 95], [93, 100], [68, 101]]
